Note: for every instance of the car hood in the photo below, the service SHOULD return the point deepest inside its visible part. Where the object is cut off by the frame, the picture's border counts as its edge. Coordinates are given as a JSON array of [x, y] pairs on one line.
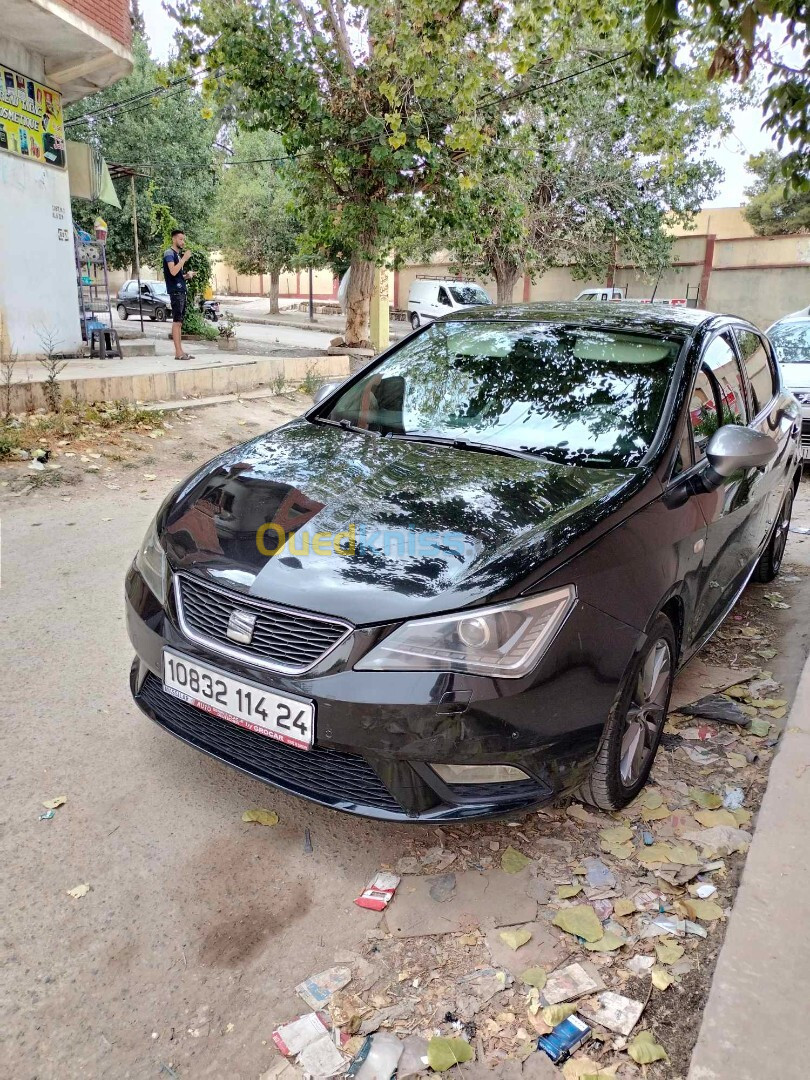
[[796, 376], [378, 529]]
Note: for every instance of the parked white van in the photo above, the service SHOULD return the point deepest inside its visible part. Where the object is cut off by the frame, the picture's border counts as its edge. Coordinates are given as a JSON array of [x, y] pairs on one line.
[[600, 292], [428, 298]]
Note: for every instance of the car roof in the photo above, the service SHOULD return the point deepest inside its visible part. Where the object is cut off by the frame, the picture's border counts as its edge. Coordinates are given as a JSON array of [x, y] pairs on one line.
[[613, 315]]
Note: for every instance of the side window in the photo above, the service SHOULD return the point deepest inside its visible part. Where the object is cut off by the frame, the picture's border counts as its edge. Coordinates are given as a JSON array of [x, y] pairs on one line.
[[444, 298], [719, 357], [758, 366], [702, 414]]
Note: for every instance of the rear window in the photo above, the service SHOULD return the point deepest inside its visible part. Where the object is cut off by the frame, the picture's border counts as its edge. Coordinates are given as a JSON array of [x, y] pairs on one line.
[[574, 395]]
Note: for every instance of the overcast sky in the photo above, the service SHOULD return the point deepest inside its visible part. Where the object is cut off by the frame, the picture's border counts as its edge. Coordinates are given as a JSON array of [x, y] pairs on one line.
[[730, 153]]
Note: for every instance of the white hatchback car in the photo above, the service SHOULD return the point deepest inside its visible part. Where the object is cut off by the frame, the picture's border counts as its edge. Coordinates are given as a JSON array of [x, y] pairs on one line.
[[790, 338]]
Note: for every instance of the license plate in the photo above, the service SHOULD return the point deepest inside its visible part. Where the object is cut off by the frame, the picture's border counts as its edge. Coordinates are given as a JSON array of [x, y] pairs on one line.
[[288, 720]]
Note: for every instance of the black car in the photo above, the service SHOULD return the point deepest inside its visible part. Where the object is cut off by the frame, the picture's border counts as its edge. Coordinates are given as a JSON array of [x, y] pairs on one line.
[[462, 583], [154, 300]]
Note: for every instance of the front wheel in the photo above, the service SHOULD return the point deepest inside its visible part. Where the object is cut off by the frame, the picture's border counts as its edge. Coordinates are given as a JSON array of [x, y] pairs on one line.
[[122, 312], [633, 730], [770, 561], [416, 322]]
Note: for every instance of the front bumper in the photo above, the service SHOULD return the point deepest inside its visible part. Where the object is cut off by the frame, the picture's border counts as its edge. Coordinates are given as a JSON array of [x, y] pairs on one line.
[[377, 732]]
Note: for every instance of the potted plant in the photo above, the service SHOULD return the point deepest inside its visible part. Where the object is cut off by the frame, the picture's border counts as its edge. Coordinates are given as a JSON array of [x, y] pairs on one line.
[[227, 333]]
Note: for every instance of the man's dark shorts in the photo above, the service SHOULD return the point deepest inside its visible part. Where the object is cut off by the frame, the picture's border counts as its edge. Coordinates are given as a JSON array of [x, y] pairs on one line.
[[178, 302]]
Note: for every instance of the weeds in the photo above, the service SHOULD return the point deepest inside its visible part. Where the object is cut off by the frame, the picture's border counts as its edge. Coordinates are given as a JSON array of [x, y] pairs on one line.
[[53, 363], [310, 382], [75, 423], [8, 362], [278, 383]]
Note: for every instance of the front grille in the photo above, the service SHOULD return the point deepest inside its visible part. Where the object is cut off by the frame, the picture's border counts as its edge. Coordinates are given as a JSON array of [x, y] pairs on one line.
[[806, 432], [344, 780], [283, 639]]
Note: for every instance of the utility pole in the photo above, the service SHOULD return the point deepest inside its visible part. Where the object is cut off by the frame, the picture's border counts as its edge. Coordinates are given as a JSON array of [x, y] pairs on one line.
[[311, 297], [137, 253]]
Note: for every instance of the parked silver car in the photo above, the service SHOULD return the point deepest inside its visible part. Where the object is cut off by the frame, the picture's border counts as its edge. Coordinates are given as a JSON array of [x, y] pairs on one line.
[[790, 338]]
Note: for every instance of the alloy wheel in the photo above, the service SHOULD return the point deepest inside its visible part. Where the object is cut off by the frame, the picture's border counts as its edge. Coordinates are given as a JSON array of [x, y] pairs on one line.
[[781, 534], [646, 712]]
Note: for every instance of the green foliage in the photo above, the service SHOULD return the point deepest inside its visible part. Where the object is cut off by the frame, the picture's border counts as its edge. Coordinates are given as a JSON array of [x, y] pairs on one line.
[[744, 36], [165, 129], [596, 168], [255, 220], [775, 208], [379, 100]]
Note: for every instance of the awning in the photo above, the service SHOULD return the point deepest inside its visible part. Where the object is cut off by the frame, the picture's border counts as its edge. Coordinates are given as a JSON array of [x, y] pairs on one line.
[[88, 175]]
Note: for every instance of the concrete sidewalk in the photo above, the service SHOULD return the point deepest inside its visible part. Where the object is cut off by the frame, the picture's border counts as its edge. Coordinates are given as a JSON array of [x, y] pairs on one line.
[[756, 1025], [255, 312], [164, 378]]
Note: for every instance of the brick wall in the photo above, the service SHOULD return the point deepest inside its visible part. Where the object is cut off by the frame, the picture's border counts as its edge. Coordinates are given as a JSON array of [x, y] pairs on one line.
[[111, 16]]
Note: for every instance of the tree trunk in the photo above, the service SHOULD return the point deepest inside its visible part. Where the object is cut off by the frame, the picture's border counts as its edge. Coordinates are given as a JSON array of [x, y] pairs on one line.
[[273, 294], [506, 279], [358, 302]]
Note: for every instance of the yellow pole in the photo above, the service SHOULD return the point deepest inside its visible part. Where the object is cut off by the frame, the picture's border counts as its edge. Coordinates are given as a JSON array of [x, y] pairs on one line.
[[379, 315]]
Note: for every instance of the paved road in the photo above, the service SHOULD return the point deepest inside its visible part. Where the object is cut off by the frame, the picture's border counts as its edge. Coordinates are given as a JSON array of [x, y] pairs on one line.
[[195, 920]]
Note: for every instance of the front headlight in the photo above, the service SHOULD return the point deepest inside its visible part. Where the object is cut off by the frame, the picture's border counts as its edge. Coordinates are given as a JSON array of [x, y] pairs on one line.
[[504, 641], [151, 562]]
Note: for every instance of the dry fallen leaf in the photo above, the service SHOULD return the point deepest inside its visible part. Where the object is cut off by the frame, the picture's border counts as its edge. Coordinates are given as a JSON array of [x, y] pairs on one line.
[[579, 813], [618, 834], [513, 861], [515, 938], [706, 799], [657, 813], [534, 976], [262, 817], [79, 890], [661, 978], [608, 942], [565, 892], [710, 818], [581, 921], [737, 761], [53, 804], [555, 1014], [644, 1049], [668, 951], [707, 910], [618, 851], [623, 906]]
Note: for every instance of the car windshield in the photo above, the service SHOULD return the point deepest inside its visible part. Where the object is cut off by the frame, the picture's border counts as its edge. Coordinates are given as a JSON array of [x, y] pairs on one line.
[[576, 395], [469, 294], [791, 341]]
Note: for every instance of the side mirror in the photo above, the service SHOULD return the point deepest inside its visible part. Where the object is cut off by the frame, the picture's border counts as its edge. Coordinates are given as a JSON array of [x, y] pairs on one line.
[[323, 392], [733, 448]]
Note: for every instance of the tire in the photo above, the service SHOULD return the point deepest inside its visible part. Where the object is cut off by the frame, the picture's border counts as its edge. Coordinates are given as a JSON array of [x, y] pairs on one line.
[[122, 312], [160, 314], [416, 322], [633, 731], [770, 561]]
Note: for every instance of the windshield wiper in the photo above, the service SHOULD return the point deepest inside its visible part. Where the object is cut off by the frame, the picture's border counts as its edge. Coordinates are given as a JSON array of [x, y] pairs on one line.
[[346, 425], [463, 444]]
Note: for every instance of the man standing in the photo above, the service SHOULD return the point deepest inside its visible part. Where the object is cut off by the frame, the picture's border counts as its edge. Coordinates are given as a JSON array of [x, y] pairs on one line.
[[174, 261]]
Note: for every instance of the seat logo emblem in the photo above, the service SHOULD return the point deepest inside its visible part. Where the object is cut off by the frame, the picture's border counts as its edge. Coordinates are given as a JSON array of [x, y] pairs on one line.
[[240, 626]]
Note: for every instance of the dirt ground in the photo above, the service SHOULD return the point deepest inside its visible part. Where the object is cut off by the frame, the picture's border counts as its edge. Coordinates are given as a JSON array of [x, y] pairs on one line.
[[182, 957]]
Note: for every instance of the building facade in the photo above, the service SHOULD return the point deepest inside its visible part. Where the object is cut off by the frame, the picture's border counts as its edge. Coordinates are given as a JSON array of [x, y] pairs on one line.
[[52, 53]]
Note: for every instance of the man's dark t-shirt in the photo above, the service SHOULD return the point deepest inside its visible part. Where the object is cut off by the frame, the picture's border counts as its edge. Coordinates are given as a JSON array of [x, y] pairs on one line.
[[174, 283]]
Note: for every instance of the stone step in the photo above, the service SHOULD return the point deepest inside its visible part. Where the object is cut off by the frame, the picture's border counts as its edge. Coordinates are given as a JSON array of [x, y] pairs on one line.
[[137, 346]]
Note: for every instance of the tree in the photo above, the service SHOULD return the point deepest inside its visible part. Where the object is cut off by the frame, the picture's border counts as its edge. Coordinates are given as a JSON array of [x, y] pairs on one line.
[[255, 222], [774, 208], [592, 166], [744, 36], [379, 100], [169, 129]]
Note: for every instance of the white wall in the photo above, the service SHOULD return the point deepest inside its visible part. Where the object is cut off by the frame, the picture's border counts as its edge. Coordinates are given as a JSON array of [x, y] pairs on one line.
[[37, 269]]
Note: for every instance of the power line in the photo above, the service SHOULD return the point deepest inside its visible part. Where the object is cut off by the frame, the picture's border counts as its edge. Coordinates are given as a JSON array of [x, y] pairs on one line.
[[156, 91], [515, 95]]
